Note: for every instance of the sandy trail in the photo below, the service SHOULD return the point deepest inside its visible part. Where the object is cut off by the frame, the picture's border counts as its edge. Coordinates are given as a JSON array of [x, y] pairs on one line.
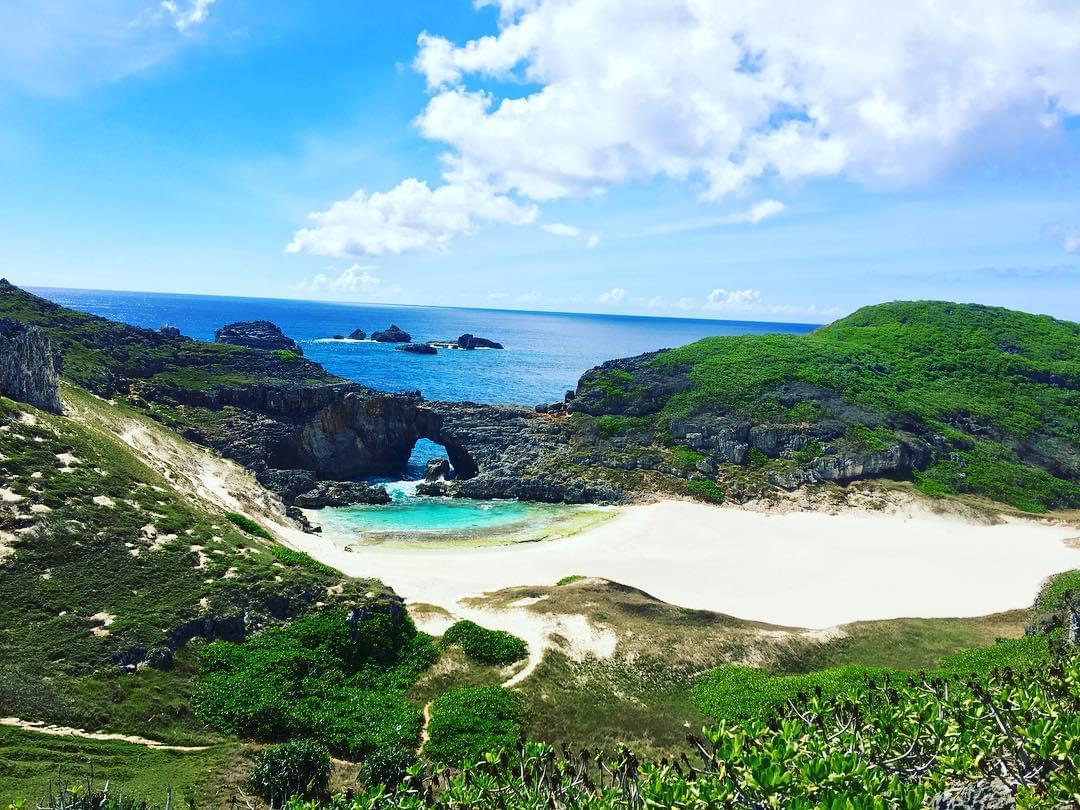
[[67, 731], [802, 569]]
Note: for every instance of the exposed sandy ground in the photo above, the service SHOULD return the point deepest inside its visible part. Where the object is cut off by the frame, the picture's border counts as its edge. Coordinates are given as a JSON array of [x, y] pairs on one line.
[[65, 731], [801, 569]]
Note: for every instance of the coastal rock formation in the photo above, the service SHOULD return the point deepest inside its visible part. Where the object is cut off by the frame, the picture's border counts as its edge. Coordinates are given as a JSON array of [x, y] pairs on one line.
[[28, 366], [170, 331], [437, 469], [257, 335], [393, 334], [417, 348], [341, 493], [468, 341], [357, 334]]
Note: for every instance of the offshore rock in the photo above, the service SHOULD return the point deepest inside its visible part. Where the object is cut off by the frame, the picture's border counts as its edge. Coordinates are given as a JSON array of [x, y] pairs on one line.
[[417, 348], [257, 335], [468, 341], [393, 334], [357, 334], [28, 366]]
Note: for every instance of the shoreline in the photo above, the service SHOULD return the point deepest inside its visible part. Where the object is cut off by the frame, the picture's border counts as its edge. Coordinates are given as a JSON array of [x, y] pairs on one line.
[[791, 568]]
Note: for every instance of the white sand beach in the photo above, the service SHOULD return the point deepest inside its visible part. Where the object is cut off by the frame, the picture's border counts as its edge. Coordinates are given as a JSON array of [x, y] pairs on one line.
[[802, 569]]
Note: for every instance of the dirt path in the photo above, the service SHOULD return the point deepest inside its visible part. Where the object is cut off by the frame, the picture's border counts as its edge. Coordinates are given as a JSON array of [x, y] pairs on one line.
[[66, 731]]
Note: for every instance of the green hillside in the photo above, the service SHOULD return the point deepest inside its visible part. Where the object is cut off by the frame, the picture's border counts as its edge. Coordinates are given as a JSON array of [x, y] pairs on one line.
[[974, 399]]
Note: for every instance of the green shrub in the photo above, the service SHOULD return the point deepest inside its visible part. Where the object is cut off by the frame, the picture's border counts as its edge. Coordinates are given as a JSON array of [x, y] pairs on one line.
[[286, 355], [686, 458], [705, 489], [467, 723], [483, 645], [386, 766], [323, 676], [248, 525], [1051, 596], [300, 559], [756, 457], [570, 579], [297, 768]]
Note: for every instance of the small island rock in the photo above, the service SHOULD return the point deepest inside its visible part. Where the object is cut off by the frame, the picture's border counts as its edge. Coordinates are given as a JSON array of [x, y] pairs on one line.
[[437, 469], [417, 348], [257, 335], [394, 334], [468, 341], [357, 334]]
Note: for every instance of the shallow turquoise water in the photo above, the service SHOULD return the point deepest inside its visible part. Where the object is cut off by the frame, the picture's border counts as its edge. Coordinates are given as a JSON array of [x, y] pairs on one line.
[[437, 516]]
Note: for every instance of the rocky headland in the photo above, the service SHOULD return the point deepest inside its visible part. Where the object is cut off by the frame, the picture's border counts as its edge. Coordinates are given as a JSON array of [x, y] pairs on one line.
[[28, 370]]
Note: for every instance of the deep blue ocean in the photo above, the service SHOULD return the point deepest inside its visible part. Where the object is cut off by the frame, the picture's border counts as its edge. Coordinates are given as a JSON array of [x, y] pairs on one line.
[[544, 356]]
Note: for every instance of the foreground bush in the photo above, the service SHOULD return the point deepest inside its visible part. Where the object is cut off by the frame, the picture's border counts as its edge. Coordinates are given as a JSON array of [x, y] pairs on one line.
[[298, 768], [892, 743], [468, 723], [333, 676], [486, 646]]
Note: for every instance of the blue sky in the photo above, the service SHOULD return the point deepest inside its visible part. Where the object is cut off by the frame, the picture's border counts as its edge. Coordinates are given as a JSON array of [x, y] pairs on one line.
[[670, 157]]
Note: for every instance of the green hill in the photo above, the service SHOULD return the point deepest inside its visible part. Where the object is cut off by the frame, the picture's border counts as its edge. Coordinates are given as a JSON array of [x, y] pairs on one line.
[[960, 397]]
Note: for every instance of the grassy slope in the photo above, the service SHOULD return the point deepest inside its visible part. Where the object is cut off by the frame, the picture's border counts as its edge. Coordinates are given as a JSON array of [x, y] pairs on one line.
[[1001, 388], [82, 559]]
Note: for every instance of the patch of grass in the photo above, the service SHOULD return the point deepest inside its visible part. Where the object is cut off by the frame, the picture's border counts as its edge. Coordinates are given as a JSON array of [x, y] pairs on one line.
[[286, 355], [301, 559], [685, 457], [483, 645], [1051, 596], [30, 761], [706, 490], [248, 525], [467, 723], [570, 579]]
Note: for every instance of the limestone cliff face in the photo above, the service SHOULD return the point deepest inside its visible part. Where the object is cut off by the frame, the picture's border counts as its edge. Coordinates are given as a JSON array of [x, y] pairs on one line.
[[28, 366]]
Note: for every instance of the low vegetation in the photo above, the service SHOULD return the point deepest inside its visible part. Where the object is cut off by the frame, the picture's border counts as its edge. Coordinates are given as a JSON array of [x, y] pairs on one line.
[[483, 645], [336, 676], [297, 768], [467, 724]]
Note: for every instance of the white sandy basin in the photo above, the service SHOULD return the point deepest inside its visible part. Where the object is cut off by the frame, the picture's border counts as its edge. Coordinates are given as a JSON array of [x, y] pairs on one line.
[[804, 569]]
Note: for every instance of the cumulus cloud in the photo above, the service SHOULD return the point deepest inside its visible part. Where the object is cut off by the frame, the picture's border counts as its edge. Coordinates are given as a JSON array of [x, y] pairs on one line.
[[559, 229], [409, 217], [731, 300], [357, 279], [1068, 238], [613, 296], [725, 93], [185, 16]]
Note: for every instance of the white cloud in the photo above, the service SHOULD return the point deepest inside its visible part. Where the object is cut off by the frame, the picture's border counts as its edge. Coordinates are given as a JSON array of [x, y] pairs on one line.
[[196, 12], [57, 47], [497, 296], [357, 279], [559, 229], [1068, 238], [731, 300], [409, 217], [722, 94], [592, 241], [759, 212], [612, 296]]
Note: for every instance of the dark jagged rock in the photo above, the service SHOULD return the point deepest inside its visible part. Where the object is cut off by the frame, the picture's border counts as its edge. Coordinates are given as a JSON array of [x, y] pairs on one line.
[[257, 335], [433, 489], [170, 331], [468, 341], [28, 366], [437, 469], [986, 794], [339, 337], [341, 493], [357, 334], [417, 348], [394, 334]]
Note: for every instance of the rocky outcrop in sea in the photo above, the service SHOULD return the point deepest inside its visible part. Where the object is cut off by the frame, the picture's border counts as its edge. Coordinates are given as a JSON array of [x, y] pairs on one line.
[[392, 334], [417, 348], [257, 335], [468, 341], [28, 370], [357, 334]]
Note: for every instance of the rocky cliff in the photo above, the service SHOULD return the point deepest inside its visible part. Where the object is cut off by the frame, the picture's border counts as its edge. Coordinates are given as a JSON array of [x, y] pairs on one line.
[[28, 366], [257, 335]]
